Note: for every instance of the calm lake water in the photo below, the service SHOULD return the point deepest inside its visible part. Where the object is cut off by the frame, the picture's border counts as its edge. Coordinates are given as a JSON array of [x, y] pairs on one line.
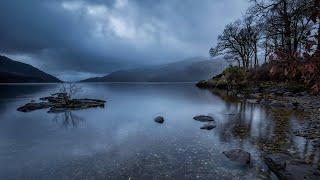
[[121, 141]]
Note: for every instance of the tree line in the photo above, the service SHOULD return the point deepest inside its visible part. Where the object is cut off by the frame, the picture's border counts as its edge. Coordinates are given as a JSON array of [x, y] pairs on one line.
[[283, 30]]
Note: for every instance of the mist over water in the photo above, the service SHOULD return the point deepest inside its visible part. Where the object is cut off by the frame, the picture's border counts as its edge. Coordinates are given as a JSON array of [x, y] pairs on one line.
[[122, 140]]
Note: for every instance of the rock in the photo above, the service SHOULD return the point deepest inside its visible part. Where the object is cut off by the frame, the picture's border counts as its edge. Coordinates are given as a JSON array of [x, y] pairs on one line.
[[304, 93], [290, 106], [57, 104], [277, 104], [203, 118], [279, 92], [276, 161], [159, 119], [202, 84], [238, 155], [256, 90], [285, 167], [276, 91], [265, 102], [255, 96], [208, 126], [34, 106], [288, 94], [75, 104], [253, 101], [230, 114], [296, 104]]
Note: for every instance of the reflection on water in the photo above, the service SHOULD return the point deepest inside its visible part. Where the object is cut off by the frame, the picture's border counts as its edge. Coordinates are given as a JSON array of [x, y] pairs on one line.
[[122, 141], [67, 119]]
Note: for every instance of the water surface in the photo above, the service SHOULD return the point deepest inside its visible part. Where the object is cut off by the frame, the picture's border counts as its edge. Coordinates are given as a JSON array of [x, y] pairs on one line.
[[121, 141]]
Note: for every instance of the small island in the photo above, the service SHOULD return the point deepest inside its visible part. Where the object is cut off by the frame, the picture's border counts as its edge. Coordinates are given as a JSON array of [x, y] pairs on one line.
[[62, 101]]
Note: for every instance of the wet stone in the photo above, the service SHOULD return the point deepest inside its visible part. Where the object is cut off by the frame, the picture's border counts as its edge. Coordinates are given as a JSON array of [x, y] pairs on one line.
[[238, 155], [159, 119], [203, 118], [208, 126], [253, 101], [276, 104]]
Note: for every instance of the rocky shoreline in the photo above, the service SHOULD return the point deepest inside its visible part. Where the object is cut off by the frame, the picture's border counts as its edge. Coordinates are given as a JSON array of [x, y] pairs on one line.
[[282, 99], [278, 97]]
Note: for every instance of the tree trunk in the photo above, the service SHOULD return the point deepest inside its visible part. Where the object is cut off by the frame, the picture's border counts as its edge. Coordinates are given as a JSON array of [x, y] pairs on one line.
[[256, 62], [295, 41], [287, 30], [318, 48], [243, 59]]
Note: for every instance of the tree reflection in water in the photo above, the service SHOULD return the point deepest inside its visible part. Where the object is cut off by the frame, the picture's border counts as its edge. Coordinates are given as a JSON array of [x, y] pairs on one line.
[[270, 130], [67, 119]]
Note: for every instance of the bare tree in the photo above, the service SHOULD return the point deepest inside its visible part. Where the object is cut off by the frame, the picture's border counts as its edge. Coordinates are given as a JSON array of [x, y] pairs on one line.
[[239, 43], [67, 91], [287, 22]]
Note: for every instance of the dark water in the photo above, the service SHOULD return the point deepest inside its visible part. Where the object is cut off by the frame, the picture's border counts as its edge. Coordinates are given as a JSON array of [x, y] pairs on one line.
[[122, 141]]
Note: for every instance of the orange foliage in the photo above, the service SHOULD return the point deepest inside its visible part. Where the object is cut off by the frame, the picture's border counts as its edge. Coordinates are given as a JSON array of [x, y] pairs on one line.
[[306, 71]]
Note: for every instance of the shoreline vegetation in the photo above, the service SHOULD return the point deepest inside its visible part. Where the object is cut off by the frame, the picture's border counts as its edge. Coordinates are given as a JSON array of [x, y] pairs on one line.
[[287, 33]]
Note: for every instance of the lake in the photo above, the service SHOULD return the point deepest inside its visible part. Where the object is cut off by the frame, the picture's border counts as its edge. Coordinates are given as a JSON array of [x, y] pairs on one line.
[[122, 141]]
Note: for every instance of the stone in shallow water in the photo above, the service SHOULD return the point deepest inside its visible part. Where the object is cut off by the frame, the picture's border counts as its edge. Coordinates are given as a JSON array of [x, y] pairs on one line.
[[208, 126], [159, 119], [238, 155], [285, 167], [203, 118]]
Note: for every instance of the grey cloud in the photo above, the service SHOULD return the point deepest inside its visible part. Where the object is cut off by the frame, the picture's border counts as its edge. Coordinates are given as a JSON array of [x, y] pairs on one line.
[[99, 36]]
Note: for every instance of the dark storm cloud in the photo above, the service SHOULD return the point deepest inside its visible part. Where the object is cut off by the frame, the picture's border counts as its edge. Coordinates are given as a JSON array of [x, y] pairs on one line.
[[98, 36]]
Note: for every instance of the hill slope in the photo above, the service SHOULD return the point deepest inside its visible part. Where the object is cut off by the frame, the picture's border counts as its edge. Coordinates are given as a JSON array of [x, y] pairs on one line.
[[182, 71], [16, 72]]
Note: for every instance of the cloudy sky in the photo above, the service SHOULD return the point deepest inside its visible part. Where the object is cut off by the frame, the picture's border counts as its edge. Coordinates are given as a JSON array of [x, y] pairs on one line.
[[74, 39]]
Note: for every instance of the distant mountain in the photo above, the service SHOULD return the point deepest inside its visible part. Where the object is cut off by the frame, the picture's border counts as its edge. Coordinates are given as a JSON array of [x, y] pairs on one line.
[[16, 72], [189, 70]]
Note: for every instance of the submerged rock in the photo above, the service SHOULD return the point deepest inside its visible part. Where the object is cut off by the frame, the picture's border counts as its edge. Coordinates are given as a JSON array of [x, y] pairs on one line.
[[238, 155], [203, 118], [159, 119], [285, 167], [208, 126]]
